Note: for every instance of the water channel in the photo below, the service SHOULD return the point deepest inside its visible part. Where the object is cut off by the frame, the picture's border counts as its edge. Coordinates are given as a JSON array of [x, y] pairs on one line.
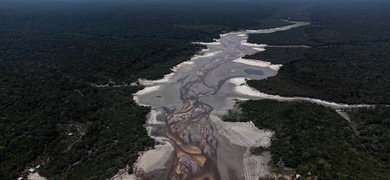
[[186, 105]]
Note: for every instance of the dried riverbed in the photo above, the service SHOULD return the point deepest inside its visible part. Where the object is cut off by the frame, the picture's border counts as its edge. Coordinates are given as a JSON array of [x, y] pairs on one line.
[[194, 142]]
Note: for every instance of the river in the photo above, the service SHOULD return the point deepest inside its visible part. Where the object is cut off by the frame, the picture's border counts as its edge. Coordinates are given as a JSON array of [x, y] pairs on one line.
[[186, 105]]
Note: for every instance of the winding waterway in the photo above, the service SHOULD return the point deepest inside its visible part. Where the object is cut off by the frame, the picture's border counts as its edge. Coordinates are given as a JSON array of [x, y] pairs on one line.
[[186, 104]]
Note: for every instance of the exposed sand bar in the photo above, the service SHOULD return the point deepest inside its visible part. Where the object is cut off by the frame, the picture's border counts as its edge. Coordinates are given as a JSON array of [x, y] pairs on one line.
[[243, 133], [155, 159], [258, 63], [244, 89], [193, 141], [35, 176], [167, 77]]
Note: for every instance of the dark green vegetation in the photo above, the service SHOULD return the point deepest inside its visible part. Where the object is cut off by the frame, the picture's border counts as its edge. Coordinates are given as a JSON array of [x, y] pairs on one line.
[[290, 37], [52, 53], [277, 55], [350, 74], [106, 125], [315, 139], [373, 125], [349, 61]]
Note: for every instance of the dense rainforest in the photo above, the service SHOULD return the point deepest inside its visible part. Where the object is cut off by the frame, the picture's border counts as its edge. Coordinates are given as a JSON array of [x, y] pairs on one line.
[[318, 142], [51, 54], [348, 60], [345, 60]]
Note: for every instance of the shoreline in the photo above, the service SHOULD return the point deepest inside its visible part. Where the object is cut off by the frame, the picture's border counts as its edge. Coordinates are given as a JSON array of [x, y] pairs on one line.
[[248, 135], [244, 135], [243, 88]]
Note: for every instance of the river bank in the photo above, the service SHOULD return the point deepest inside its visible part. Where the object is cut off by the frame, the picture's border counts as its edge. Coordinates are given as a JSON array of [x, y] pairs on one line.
[[187, 102]]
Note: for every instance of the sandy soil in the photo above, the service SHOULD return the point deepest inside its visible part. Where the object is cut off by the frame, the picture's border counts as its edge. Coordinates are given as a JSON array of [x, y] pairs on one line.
[[258, 63], [35, 176], [244, 134], [123, 175], [205, 55], [166, 77], [243, 88], [203, 81], [155, 159]]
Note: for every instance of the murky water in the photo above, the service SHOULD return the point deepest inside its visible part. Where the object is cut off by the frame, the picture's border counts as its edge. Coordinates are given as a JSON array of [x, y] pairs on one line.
[[195, 143]]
